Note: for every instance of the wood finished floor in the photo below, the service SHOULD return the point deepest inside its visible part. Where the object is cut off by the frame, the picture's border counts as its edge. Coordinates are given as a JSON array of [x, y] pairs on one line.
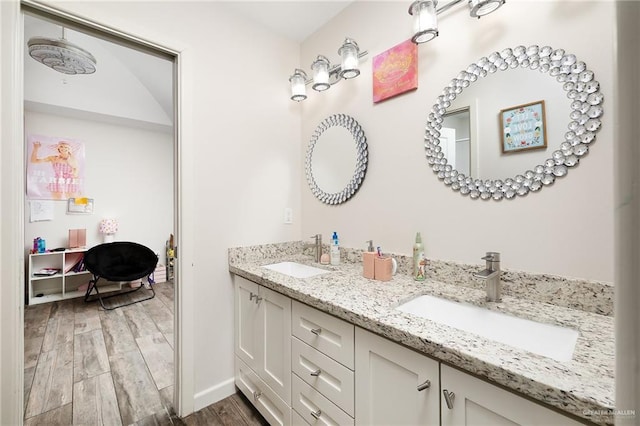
[[88, 366]]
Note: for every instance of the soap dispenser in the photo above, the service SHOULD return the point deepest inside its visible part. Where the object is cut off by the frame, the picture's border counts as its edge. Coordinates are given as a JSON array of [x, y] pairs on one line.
[[335, 249], [368, 261], [419, 261]]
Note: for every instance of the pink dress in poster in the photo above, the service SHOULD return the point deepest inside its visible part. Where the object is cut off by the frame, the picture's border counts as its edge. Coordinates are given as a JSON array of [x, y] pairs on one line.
[[55, 168]]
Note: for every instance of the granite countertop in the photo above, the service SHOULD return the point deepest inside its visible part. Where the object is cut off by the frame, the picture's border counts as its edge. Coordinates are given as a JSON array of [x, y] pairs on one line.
[[583, 386]]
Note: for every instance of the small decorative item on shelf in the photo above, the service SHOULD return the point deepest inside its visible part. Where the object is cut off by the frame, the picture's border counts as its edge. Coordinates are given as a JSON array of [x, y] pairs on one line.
[[171, 254], [108, 228], [77, 238], [39, 245]]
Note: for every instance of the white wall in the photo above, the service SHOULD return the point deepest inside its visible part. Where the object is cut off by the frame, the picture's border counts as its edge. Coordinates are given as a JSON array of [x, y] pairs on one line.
[[244, 142], [128, 173], [566, 229]]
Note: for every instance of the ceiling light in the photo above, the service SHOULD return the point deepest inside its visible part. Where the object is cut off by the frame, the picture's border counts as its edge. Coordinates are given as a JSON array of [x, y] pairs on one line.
[[61, 55], [425, 20]]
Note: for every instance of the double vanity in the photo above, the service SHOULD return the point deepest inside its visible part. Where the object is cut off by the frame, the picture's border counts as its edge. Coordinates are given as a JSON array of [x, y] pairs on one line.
[[320, 344]]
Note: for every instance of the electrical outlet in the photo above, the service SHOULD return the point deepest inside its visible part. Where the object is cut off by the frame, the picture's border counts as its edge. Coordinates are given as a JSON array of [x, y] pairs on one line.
[[288, 215]]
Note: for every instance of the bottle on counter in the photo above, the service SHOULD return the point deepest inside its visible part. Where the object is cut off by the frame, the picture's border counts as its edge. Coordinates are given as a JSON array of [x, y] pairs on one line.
[[419, 261], [335, 249]]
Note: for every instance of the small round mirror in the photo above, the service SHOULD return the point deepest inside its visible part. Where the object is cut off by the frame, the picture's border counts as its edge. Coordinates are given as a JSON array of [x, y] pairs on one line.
[[336, 160]]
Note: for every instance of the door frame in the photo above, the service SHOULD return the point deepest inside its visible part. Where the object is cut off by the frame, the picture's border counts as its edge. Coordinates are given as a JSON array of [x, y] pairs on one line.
[[12, 201]]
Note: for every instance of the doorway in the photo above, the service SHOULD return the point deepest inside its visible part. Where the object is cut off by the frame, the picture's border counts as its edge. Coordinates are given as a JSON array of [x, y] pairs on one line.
[[62, 338]]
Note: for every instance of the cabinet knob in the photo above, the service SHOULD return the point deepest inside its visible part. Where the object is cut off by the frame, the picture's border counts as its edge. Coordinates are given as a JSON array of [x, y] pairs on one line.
[[316, 414], [256, 395], [316, 373], [425, 385], [448, 398], [316, 331]]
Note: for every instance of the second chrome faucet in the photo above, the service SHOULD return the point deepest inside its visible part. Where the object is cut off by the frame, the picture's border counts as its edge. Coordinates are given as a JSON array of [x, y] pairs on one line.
[[491, 275], [318, 246]]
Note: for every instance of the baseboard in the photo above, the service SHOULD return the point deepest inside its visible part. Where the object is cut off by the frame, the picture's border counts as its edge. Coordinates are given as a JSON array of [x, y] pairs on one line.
[[214, 394]]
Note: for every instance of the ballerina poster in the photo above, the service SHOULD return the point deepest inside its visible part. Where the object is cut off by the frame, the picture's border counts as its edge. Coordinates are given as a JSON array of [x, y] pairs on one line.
[[55, 168]]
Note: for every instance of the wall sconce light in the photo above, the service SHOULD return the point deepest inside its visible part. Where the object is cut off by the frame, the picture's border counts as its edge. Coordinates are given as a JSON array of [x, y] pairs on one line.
[[324, 75], [425, 15]]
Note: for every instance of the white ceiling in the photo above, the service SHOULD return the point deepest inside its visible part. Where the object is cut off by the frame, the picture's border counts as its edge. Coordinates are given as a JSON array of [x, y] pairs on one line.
[[136, 87], [295, 20]]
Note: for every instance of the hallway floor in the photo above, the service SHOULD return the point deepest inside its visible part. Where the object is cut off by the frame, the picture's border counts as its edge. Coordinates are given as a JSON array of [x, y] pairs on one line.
[[88, 366]]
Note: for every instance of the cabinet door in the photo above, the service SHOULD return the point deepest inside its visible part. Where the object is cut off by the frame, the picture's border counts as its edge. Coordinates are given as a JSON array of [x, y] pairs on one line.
[[394, 385], [275, 342], [477, 402], [272, 408], [247, 321]]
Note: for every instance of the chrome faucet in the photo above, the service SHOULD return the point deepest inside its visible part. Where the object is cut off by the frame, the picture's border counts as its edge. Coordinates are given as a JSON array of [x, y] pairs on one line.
[[318, 246], [491, 275]]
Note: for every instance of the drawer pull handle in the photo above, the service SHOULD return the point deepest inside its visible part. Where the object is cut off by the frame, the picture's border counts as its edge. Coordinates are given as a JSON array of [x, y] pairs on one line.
[[425, 385], [252, 295], [316, 373], [316, 414], [257, 395], [448, 397], [316, 331]]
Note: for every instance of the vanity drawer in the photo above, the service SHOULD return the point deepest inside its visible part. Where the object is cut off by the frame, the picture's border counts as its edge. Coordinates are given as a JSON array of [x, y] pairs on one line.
[[330, 335], [332, 379], [314, 408]]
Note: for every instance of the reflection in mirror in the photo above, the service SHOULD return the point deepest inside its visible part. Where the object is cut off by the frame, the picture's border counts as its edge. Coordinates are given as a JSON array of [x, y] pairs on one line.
[[336, 160], [455, 139], [518, 86], [576, 94]]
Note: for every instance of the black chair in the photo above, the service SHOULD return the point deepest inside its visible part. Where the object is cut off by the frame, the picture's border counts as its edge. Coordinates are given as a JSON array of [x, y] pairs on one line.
[[121, 261]]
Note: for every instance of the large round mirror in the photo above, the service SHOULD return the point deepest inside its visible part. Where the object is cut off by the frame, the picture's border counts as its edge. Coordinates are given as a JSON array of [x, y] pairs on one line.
[[336, 160], [500, 127]]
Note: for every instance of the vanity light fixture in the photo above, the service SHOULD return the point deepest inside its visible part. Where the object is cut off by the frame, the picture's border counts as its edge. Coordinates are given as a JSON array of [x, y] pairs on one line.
[[320, 68], [425, 15], [324, 74], [425, 20]]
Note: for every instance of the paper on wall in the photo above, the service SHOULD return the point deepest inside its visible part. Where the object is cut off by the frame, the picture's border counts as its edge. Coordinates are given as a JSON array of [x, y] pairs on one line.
[[40, 210]]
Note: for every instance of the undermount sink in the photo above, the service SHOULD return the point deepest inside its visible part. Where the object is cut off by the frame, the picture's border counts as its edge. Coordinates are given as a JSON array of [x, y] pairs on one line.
[[548, 340], [296, 270]]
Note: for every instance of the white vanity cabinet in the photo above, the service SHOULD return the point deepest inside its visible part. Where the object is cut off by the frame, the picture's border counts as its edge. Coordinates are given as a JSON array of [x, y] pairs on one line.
[[263, 347], [299, 365], [476, 402], [394, 385]]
